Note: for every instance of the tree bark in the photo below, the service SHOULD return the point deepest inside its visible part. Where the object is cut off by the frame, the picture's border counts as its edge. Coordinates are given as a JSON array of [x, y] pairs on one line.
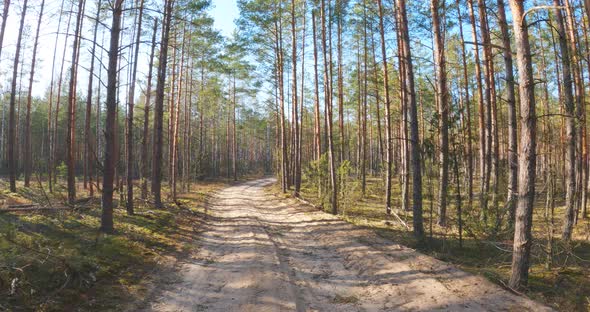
[[527, 150], [159, 108], [146, 117], [569, 105], [11, 114], [443, 111], [28, 152], [130, 106], [512, 114], [106, 224], [413, 120], [71, 135]]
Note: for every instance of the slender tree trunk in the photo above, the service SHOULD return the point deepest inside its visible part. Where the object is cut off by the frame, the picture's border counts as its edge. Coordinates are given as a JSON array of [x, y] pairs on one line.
[[130, 106], [480, 99], [297, 151], [467, 106], [388, 141], [11, 115], [88, 150], [159, 108], [340, 16], [443, 110], [146, 118], [512, 126], [328, 107], [28, 152], [413, 121], [71, 136], [317, 117], [570, 161], [527, 148], [106, 224]]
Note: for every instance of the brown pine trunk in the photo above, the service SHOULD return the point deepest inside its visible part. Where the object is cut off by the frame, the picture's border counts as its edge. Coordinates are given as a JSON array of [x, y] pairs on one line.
[[316, 106], [512, 126], [106, 224], [388, 141], [146, 118], [527, 148], [328, 108], [481, 115], [569, 105], [88, 149], [130, 106], [11, 114], [413, 121], [467, 106], [159, 108], [71, 135], [28, 152], [297, 148], [443, 110]]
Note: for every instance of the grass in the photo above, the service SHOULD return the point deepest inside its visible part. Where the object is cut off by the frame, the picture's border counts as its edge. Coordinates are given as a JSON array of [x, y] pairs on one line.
[[58, 261], [561, 280]]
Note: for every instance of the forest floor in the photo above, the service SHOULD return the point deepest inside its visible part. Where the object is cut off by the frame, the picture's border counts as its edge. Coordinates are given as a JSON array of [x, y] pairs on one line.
[[262, 252], [57, 260], [559, 274]]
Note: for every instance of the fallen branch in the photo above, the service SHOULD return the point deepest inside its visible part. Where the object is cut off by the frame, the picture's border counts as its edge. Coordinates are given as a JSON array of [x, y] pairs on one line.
[[400, 220], [29, 209]]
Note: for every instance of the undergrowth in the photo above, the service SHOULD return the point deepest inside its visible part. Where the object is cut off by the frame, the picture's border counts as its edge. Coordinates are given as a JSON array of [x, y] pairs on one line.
[[58, 261]]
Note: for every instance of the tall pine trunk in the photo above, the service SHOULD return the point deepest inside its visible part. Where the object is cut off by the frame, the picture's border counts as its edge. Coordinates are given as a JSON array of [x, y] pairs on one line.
[[527, 150], [106, 224]]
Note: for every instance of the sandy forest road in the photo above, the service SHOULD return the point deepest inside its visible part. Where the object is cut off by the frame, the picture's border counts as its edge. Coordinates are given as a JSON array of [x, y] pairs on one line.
[[260, 253]]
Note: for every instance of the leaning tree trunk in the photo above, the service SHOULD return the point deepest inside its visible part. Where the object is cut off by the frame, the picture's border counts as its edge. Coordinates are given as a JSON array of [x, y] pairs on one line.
[[526, 154]]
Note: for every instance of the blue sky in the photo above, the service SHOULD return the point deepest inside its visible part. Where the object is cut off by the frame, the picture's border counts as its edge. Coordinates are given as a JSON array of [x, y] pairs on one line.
[[225, 12]]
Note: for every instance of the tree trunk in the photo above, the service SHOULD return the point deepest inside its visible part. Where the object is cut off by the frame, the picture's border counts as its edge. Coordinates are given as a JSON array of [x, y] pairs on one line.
[[88, 149], [413, 120], [71, 135], [146, 117], [28, 152], [568, 98], [388, 141], [11, 115], [130, 106], [159, 108], [527, 150], [443, 110], [106, 224], [328, 108], [512, 126]]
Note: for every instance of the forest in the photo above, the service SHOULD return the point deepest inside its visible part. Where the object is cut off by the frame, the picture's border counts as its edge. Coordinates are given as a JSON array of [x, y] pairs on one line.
[[350, 138]]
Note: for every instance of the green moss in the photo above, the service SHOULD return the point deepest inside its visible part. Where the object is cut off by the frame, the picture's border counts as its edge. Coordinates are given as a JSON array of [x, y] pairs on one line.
[[59, 261]]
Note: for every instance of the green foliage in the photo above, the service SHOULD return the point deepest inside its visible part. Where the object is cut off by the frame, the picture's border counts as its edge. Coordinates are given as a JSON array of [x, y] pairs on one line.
[[348, 185]]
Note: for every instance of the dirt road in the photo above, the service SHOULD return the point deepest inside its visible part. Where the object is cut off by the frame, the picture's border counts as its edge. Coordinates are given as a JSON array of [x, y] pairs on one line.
[[260, 253]]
